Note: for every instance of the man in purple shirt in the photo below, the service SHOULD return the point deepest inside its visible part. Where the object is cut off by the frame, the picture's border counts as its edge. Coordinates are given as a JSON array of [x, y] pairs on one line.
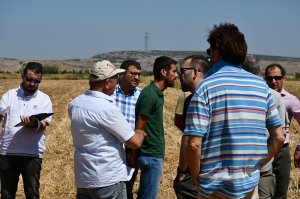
[[275, 76]]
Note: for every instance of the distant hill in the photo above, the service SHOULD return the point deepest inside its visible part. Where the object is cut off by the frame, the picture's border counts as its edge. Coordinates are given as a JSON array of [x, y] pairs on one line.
[[146, 59]]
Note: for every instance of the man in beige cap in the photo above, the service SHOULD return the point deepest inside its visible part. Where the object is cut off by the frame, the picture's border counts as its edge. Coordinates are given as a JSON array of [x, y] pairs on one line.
[[99, 130]]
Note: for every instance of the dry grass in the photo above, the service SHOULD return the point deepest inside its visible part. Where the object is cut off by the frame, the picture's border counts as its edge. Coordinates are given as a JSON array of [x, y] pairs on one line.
[[57, 178]]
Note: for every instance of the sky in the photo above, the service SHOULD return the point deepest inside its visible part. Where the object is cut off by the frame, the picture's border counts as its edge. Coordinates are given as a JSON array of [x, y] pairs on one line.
[[80, 29]]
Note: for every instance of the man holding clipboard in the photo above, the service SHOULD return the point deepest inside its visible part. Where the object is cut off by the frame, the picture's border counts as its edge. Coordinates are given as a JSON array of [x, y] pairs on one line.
[[23, 112]]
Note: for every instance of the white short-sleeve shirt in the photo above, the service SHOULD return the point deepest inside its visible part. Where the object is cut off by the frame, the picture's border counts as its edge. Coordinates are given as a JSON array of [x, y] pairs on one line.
[[99, 130], [22, 140]]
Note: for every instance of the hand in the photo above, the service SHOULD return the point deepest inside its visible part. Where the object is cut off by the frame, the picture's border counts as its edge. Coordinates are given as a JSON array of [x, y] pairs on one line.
[[30, 122], [132, 159], [297, 159], [180, 176], [196, 184]]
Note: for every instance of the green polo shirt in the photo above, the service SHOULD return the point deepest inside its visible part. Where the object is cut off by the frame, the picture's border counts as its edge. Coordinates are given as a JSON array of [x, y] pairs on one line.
[[150, 104]]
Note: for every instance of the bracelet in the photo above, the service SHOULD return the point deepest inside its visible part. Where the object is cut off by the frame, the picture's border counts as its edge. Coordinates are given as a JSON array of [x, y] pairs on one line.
[[180, 171], [298, 147]]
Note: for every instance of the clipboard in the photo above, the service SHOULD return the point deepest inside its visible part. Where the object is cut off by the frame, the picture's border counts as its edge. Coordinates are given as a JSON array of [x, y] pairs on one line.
[[39, 116]]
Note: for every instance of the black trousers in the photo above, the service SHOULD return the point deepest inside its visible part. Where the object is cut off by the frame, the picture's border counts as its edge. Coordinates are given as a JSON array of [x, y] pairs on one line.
[[11, 167], [185, 189], [281, 169]]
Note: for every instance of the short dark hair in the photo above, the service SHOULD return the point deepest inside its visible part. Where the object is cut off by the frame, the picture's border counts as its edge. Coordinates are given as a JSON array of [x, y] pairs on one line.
[[201, 62], [160, 63], [229, 41], [34, 66], [273, 66], [130, 62]]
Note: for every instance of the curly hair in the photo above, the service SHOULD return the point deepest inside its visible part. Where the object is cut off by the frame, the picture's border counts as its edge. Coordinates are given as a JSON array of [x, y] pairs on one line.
[[229, 41]]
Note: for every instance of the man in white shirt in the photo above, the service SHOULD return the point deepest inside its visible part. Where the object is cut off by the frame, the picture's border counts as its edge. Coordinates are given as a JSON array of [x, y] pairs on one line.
[[99, 131], [22, 146]]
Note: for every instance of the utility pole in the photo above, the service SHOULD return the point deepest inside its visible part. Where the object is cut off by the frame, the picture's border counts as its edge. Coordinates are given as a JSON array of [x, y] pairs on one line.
[[146, 47]]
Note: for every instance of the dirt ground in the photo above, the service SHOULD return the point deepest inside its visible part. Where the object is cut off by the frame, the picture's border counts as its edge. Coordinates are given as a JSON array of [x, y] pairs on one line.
[[57, 178]]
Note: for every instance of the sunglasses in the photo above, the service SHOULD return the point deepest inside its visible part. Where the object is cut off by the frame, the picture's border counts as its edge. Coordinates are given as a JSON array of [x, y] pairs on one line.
[[33, 81], [270, 78], [182, 70], [208, 51]]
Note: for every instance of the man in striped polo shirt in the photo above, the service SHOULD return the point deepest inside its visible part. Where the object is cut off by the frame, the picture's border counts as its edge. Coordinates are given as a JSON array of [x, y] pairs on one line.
[[227, 120]]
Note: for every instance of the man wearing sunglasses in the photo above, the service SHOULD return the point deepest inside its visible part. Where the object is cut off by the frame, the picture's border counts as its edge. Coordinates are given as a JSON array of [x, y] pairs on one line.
[[22, 147], [275, 77]]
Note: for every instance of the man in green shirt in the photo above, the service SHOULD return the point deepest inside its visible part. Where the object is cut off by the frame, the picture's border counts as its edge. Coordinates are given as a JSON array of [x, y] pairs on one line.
[[149, 117]]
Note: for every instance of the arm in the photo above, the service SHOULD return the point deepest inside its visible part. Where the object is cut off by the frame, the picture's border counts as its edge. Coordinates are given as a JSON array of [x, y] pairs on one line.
[[179, 117], [275, 142], [136, 140], [295, 112], [33, 122], [194, 156], [183, 160], [179, 121], [139, 126]]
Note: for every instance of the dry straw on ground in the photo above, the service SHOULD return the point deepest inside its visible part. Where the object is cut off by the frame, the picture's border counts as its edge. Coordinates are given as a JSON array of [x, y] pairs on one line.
[[57, 178]]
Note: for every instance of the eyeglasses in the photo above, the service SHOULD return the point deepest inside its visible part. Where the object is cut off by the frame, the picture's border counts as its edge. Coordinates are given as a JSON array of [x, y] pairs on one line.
[[133, 75], [182, 70], [33, 81], [208, 51], [270, 78]]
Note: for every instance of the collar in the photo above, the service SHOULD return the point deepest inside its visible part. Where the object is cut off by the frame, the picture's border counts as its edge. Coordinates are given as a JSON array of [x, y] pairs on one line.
[[283, 92], [156, 89], [98, 94], [222, 66], [119, 90]]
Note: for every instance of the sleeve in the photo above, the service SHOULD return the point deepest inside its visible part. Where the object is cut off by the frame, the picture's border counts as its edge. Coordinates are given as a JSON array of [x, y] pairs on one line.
[[116, 124], [4, 103], [197, 117], [180, 104], [281, 109], [295, 108], [272, 115], [47, 108], [146, 104]]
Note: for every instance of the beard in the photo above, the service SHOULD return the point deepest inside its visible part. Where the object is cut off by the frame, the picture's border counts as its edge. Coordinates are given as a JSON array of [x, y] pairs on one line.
[[29, 90], [169, 82], [184, 87]]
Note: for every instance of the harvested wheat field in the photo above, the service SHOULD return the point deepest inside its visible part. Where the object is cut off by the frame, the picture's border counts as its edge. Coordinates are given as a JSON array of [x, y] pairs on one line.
[[57, 178]]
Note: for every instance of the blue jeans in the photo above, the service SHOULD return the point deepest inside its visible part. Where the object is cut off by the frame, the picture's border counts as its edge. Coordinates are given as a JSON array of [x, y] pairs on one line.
[[115, 191], [151, 172], [11, 168]]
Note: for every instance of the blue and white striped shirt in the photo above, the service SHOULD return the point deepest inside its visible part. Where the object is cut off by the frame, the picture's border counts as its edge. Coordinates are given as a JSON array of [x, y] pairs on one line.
[[231, 110], [127, 103]]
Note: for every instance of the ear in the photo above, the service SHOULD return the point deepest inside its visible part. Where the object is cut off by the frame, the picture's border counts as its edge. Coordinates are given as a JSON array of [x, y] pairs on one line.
[[163, 73], [106, 84], [196, 73]]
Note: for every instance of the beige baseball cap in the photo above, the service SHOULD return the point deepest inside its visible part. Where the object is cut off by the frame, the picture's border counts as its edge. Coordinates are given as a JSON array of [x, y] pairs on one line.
[[103, 70]]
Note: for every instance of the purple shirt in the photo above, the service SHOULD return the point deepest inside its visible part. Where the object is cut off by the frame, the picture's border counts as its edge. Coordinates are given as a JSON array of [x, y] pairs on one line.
[[292, 104]]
